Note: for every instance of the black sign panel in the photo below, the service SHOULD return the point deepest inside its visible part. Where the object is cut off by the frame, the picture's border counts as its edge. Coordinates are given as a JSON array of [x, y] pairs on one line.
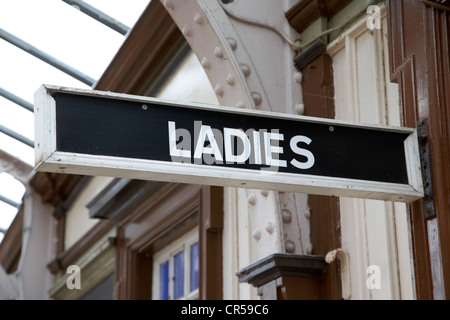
[[214, 137], [107, 127]]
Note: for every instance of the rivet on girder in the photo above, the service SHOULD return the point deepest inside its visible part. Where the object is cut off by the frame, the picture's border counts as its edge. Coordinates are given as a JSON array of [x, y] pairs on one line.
[[286, 216], [256, 234], [187, 32], [270, 228], [205, 63], [252, 199], [230, 79], [232, 43], [169, 4], [257, 99], [245, 69], [218, 52], [198, 19], [240, 104], [218, 89], [290, 246], [300, 108], [298, 77]]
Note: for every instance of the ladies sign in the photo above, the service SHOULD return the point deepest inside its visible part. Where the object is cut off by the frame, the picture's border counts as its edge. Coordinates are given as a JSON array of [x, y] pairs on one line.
[[100, 133]]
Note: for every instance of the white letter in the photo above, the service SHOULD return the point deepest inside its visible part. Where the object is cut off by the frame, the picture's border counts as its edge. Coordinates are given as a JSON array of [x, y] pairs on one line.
[[229, 146], [74, 280], [174, 152], [257, 147], [303, 152], [213, 149], [268, 136]]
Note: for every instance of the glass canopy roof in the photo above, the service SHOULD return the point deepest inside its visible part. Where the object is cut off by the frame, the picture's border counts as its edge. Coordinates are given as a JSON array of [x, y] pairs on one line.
[[59, 42]]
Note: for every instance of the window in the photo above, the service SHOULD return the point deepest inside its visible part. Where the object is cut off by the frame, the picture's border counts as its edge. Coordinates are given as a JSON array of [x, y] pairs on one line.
[[176, 269]]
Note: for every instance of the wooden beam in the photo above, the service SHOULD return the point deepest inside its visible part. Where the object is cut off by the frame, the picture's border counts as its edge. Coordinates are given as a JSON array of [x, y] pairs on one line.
[[304, 12]]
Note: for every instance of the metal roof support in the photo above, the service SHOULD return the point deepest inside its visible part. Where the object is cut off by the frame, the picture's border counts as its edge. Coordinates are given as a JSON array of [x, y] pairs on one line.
[[46, 57], [99, 16], [15, 167], [9, 201], [16, 136], [17, 100]]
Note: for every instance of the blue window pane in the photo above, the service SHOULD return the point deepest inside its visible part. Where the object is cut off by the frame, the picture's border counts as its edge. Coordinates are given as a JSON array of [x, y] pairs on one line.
[[193, 281], [164, 280], [178, 266]]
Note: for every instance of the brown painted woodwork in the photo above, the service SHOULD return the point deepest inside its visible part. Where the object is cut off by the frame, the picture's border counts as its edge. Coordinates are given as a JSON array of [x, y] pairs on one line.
[[304, 12], [54, 187], [72, 254], [144, 61], [419, 54], [284, 276], [318, 98], [302, 288], [210, 244]]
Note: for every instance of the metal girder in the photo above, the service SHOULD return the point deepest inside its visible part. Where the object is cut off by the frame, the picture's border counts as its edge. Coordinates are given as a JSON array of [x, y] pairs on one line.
[[246, 53], [46, 57], [15, 167], [17, 100], [17, 136], [246, 49], [9, 201], [99, 16]]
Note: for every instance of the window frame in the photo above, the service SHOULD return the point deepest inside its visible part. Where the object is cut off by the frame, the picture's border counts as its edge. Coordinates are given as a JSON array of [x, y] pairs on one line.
[[162, 215], [168, 253]]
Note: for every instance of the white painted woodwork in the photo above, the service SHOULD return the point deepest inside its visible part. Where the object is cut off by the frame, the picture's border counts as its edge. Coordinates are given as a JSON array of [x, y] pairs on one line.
[[373, 232], [77, 220]]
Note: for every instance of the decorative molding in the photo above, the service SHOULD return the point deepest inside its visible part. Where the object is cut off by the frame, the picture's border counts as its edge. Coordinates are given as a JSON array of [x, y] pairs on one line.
[[96, 263], [65, 204], [71, 255], [54, 187], [309, 54], [438, 4], [150, 54], [304, 12], [280, 265], [120, 197]]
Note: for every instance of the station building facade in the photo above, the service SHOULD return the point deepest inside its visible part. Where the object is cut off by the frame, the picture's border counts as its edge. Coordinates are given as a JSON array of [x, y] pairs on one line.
[[366, 61]]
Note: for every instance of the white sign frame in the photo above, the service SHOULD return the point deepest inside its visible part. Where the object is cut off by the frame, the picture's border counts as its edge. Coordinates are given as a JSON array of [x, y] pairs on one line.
[[49, 159]]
